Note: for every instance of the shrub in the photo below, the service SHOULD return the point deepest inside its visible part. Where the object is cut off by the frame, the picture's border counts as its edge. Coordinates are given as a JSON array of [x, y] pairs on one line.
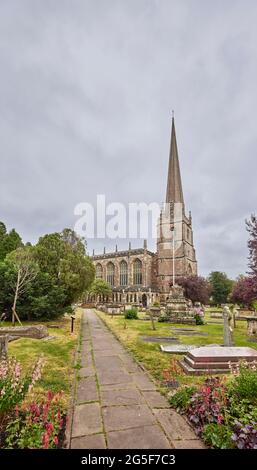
[[244, 385], [14, 386], [217, 436], [131, 314], [182, 397], [245, 435], [37, 425], [198, 320], [208, 404], [163, 317]]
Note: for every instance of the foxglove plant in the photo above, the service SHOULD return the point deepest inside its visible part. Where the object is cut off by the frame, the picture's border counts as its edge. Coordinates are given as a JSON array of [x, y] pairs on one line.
[[14, 385]]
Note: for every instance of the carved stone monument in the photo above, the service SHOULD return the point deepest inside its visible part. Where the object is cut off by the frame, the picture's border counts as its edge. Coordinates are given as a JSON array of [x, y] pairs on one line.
[[3, 346], [177, 310], [227, 329]]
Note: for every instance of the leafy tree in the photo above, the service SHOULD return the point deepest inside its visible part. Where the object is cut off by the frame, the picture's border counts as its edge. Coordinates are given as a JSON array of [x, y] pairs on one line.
[[100, 287], [62, 255], [221, 287], [8, 241], [244, 291], [23, 262], [196, 288], [251, 226]]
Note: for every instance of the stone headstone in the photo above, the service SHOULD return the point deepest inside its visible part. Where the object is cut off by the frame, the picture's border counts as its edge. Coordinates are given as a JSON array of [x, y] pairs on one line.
[[227, 329], [3, 346], [37, 331]]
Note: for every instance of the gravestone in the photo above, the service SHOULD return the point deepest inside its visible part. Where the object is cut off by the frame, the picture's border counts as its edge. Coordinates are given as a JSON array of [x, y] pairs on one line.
[[227, 330], [3, 346], [216, 359], [15, 332], [177, 348], [252, 326]]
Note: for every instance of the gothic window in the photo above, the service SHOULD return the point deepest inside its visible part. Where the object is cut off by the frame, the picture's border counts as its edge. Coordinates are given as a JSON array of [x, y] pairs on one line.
[[137, 272], [110, 273], [189, 269], [123, 273], [188, 234], [99, 271]]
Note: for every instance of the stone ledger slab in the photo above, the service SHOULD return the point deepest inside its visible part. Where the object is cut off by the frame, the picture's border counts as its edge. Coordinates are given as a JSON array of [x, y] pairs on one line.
[[215, 359], [177, 348]]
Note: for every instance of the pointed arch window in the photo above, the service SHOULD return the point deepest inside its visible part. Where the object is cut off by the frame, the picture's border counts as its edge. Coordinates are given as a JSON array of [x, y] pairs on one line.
[[99, 271], [123, 273], [137, 272], [110, 273]]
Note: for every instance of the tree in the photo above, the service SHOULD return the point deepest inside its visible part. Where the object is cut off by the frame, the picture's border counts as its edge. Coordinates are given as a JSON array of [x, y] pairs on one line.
[[196, 288], [62, 255], [8, 241], [100, 287], [251, 226], [22, 260], [221, 287], [244, 291]]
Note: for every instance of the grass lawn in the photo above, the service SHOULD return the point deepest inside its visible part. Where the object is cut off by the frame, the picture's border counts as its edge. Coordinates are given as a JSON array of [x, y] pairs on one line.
[[150, 354], [58, 353]]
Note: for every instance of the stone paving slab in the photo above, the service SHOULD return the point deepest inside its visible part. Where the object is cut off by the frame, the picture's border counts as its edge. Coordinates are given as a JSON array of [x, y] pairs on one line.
[[87, 390], [189, 444], [143, 381], [86, 420], [145, 437], [113, 376], [96, 441], [174, 424], [87, 371], [103, 362], [155, 399], [125, 417], [121, 397]]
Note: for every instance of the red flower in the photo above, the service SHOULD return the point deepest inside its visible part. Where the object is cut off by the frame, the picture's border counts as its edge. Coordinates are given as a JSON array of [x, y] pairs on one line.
[[45, 440]]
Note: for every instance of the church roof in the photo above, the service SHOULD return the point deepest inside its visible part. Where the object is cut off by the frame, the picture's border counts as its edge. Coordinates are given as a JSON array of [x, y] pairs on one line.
[[117, 254], [174, 185]]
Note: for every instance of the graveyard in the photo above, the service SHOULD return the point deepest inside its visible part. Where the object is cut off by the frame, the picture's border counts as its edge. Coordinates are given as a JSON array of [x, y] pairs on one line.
[[134, 334]]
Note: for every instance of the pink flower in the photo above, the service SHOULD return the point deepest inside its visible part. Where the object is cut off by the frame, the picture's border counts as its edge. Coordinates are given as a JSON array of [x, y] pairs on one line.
[[45, 440], [220, 419], [56, 440]]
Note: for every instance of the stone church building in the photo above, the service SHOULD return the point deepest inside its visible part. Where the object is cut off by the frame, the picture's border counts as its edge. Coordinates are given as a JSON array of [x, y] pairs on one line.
[[139, 276]]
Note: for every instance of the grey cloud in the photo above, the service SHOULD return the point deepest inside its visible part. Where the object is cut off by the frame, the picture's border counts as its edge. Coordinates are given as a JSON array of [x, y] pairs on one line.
[[86, 92]]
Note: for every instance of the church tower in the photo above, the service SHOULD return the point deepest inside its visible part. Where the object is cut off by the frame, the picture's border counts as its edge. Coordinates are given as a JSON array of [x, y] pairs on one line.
[[175, 247]]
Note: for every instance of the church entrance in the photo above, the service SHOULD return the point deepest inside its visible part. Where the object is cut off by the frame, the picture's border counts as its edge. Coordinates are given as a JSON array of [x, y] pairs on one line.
[[144, 300]]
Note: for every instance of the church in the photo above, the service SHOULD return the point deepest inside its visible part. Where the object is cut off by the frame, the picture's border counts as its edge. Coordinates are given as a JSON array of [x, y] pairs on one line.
[[139, 276]]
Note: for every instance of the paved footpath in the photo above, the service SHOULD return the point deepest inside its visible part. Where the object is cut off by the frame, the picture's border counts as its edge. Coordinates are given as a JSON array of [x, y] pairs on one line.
[[117, 406]]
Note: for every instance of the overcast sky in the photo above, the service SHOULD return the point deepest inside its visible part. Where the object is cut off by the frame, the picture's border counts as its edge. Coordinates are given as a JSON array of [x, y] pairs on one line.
[[86, 93]]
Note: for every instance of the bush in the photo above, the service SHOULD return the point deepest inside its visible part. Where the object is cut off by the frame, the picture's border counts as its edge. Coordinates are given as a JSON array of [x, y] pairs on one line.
[[131, 314], [244, 385], [14, 386], [217, 436], [37, 425], [245, 435], [182, 397], [198, 320], [163, 317], [208, 404]]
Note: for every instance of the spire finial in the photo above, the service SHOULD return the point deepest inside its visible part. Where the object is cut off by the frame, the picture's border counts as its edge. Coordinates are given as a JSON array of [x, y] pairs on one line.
[[173, 114]]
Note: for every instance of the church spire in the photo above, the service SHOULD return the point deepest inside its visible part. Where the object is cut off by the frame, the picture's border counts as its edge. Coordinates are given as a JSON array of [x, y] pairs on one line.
[[174, 185]]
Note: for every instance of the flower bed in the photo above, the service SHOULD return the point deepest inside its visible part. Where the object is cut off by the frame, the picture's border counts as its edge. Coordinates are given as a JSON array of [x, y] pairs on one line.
[[223, 411], [26, 422]]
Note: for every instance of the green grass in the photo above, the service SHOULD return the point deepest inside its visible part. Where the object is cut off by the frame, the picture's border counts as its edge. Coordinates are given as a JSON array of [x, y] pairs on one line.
[[58, 354], [150, 354]]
